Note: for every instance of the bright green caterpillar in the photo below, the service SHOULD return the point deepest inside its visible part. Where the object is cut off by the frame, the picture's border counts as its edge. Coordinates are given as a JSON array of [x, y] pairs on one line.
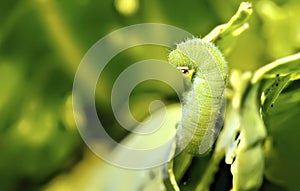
[[204, 104]]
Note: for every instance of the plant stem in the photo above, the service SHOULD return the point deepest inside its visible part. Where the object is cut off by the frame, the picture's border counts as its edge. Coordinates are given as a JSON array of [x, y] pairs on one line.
[[210, 171]]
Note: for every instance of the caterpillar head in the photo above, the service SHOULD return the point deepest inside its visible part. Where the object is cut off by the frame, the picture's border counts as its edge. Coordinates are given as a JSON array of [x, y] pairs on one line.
[[183, 63]]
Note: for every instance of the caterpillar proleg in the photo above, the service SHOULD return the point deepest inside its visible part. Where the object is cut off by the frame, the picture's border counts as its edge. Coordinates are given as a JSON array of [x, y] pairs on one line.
[[204, 104]]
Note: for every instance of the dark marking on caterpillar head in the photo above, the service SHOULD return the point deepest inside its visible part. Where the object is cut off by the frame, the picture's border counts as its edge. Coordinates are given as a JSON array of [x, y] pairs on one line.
[[183, 69]]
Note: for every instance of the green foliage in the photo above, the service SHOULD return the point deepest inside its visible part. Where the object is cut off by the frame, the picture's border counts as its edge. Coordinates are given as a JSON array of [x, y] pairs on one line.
[[42, 43], [247, 140]]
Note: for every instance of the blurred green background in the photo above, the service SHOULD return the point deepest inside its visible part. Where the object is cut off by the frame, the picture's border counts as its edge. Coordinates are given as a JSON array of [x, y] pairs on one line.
[[43, 41]]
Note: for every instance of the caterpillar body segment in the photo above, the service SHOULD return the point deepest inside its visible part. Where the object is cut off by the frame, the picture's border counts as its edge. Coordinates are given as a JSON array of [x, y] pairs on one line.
[[204, 104]]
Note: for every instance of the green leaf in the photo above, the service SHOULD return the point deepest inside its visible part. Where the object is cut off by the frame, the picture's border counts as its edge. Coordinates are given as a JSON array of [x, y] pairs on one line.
[[282, 146], [243, 134], [248, 167]]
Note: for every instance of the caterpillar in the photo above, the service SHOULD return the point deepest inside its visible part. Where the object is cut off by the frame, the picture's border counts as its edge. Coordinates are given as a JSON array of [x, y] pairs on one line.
[[204, 103]]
